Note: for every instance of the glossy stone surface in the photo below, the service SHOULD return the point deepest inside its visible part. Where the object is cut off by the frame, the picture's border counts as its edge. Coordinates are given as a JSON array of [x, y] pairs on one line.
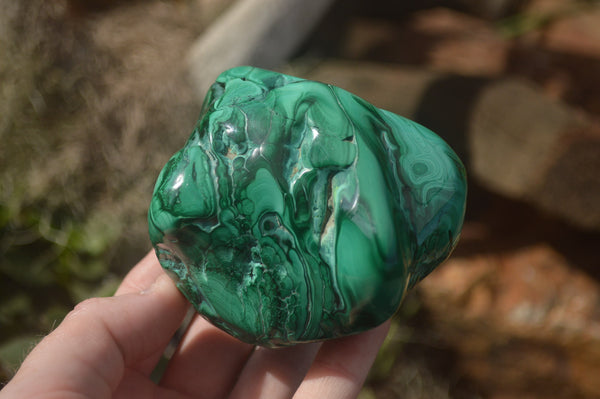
[[298, 212]]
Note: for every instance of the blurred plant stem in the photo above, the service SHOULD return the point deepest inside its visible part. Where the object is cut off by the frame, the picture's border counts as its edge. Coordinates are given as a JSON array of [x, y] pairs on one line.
[[520, 24]]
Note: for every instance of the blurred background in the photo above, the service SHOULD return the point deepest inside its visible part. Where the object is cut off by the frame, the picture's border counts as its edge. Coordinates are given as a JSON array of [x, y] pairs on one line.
[[96, 95]]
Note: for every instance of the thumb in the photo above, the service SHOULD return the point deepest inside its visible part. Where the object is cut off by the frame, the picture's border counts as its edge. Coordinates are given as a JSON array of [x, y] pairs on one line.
[[91, 349]]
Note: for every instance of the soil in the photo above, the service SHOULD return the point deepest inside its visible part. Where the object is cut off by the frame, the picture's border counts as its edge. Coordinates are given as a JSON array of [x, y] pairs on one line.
[[95, 99]]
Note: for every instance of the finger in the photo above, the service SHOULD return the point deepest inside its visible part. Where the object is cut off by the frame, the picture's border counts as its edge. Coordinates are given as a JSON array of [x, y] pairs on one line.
[[207, 362], [89, 352], [141, 276], [136, 385], [341, 366], [275, 373]]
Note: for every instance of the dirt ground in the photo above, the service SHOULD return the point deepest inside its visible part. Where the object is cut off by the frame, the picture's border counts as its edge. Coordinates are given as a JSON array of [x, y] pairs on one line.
[[95, 99]]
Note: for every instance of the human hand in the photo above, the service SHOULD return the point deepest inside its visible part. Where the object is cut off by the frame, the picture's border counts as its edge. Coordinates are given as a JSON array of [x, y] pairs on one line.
[[107, 348]]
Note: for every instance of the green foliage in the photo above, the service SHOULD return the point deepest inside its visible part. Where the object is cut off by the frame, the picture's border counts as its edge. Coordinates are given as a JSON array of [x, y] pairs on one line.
[[13, 351], [50, 261]]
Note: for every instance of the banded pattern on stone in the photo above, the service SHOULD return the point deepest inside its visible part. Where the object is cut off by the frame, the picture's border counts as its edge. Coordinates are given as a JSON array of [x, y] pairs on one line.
[[299, 212]]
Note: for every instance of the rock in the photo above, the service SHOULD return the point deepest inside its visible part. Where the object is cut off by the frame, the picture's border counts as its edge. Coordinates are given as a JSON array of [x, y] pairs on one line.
[[529, 147], [263, 33], [514, 140], [439, 38], [525, 319], [300, 212], [576, 33]]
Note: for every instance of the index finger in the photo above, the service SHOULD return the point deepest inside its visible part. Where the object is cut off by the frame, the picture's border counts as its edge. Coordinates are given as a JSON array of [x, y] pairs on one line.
[[141, 276]]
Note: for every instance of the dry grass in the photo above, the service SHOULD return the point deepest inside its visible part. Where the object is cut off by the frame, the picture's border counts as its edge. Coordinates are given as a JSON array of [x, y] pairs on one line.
[[94, 99]]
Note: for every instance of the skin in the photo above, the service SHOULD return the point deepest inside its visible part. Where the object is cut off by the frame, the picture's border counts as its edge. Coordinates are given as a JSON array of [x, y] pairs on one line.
[[107, 348]]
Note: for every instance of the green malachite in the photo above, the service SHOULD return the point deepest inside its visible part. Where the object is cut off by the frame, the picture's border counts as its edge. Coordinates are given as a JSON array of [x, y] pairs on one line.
[[299, 212]]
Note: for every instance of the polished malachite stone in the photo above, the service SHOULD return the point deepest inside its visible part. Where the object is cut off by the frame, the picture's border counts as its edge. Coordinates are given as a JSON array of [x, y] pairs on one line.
[[299, 212]]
